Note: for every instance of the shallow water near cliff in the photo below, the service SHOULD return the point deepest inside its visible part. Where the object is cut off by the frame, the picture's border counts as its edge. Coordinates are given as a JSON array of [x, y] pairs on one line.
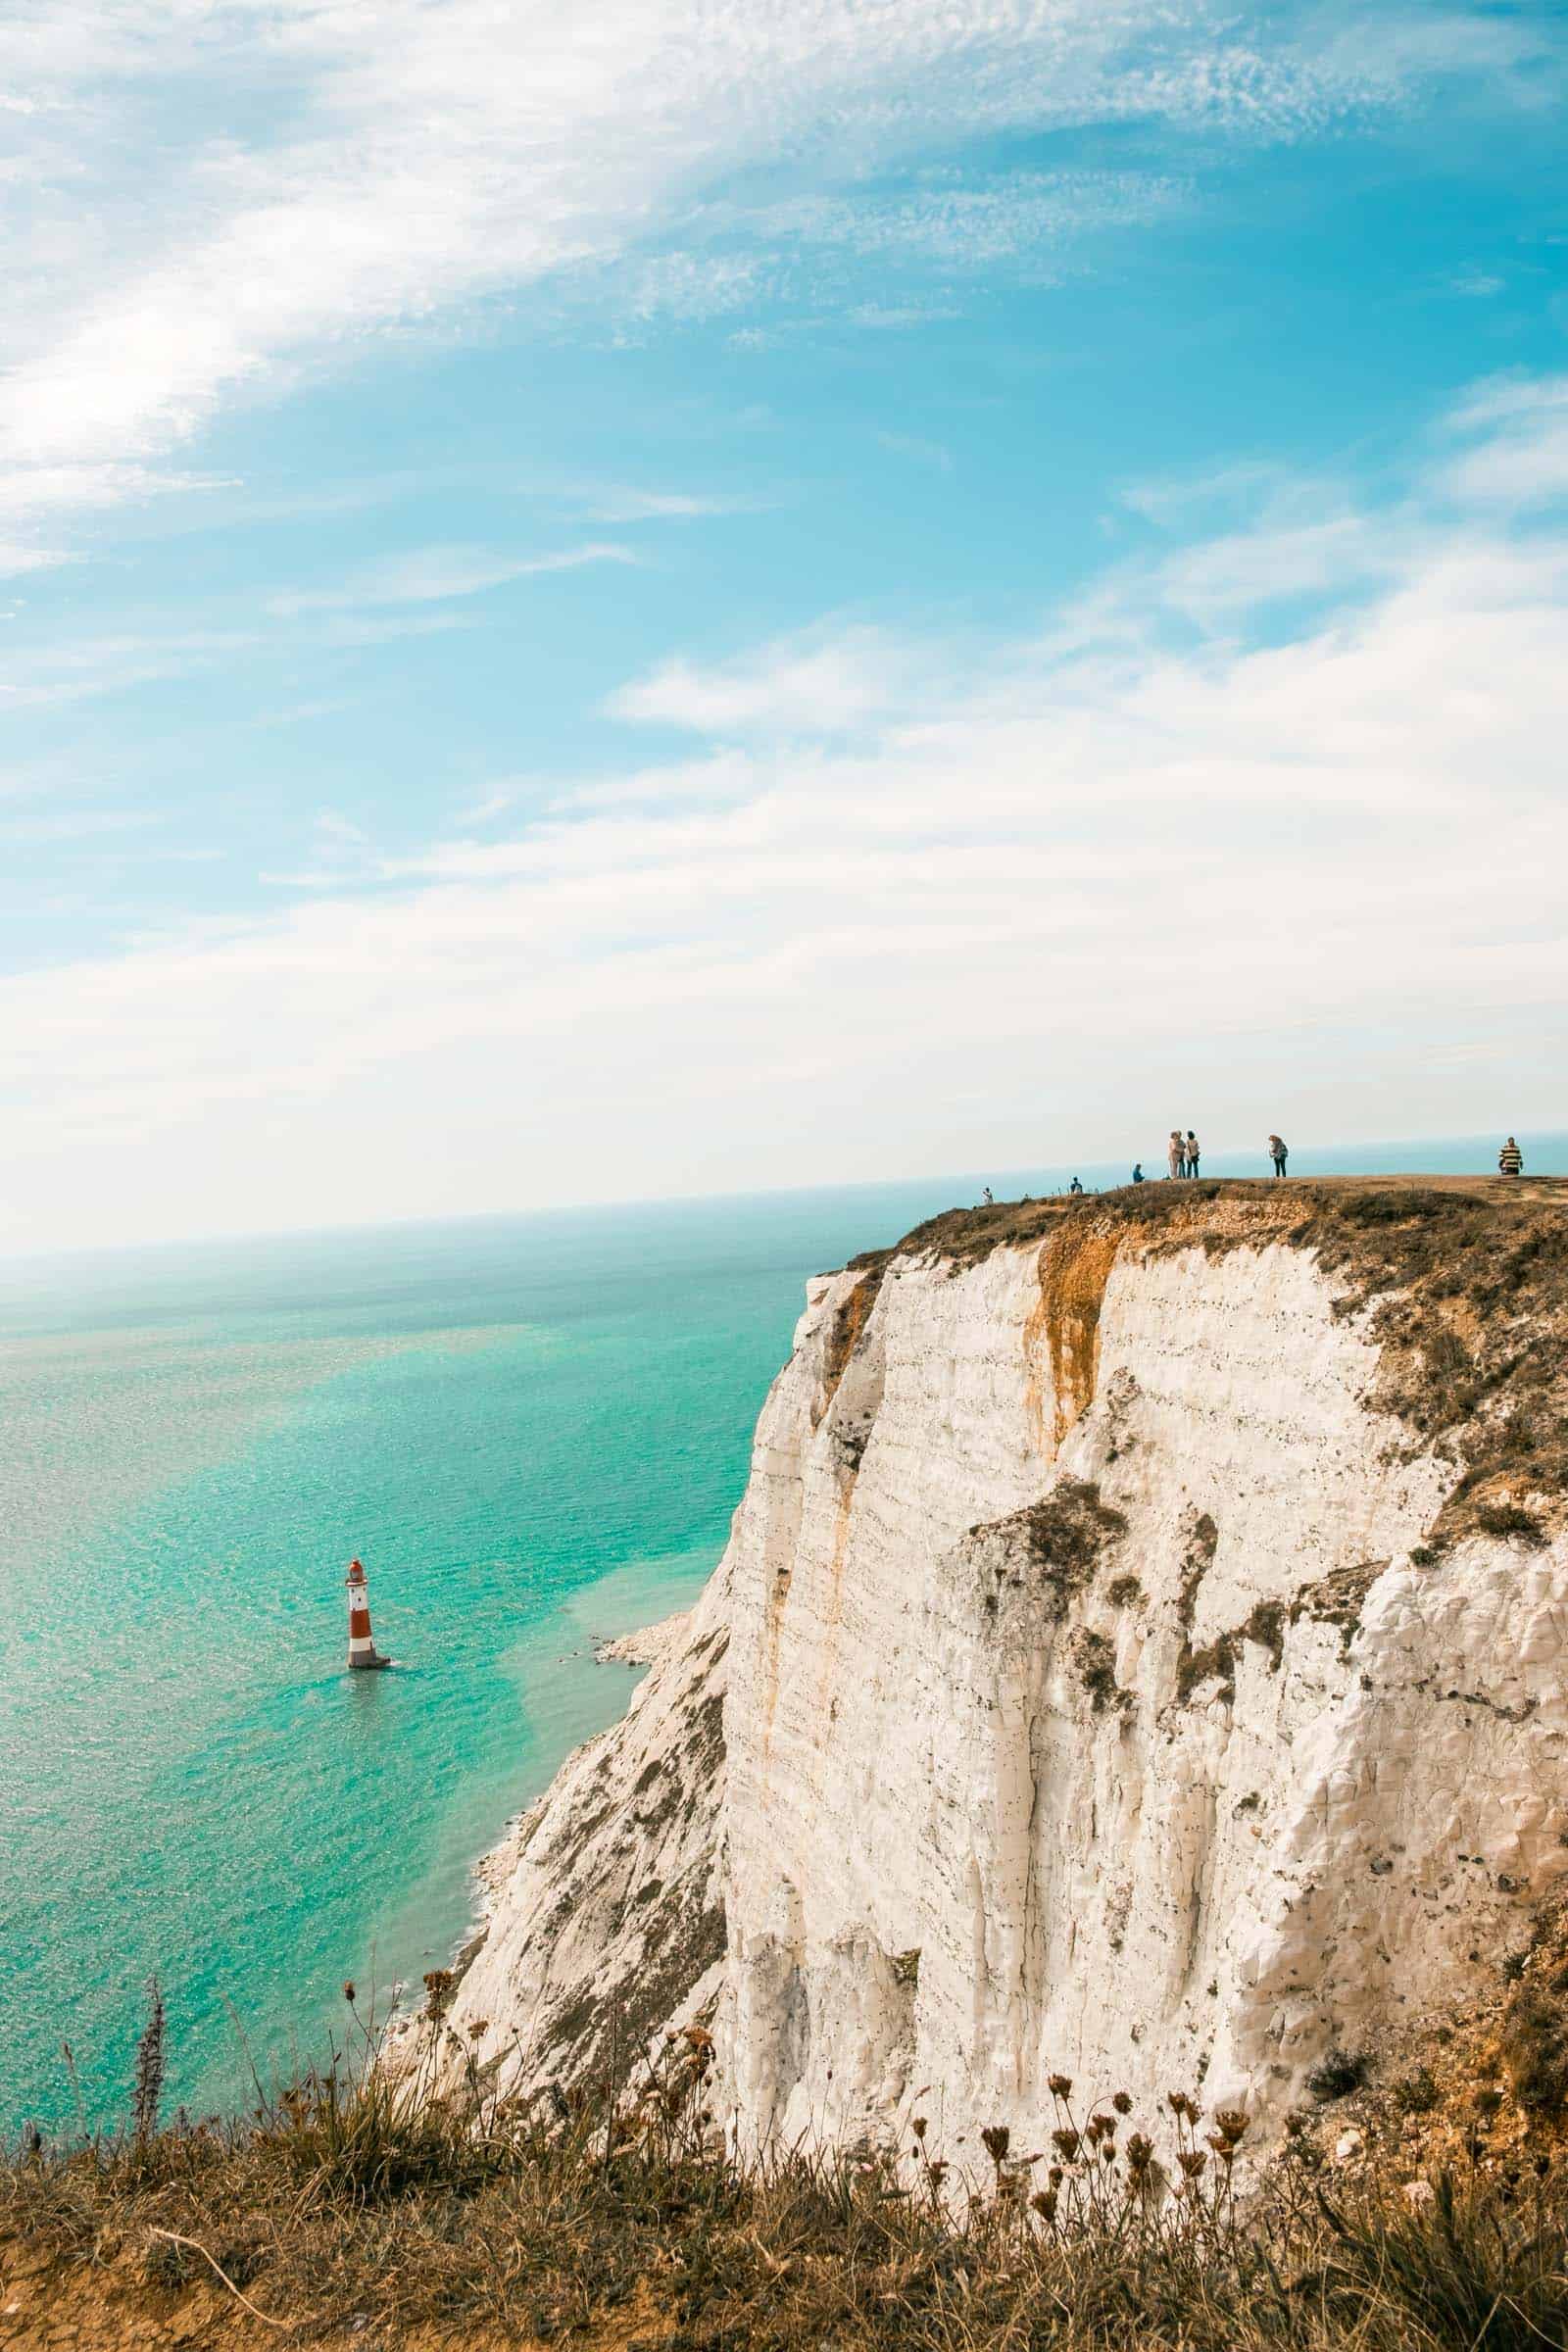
[[534, 1431]]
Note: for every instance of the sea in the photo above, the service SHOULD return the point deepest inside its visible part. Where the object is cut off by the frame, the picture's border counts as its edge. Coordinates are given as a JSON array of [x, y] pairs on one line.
[[532, 1429]]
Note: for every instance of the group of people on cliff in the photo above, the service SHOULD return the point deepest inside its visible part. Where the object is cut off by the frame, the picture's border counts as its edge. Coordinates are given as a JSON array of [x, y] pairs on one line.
[[1185, 1153]]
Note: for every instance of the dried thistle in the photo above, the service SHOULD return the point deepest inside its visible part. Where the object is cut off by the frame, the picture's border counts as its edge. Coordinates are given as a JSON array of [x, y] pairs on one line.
[[150, 2064]]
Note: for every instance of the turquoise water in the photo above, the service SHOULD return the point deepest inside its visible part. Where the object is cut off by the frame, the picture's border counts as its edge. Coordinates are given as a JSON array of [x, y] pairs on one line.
[[533, 1430]]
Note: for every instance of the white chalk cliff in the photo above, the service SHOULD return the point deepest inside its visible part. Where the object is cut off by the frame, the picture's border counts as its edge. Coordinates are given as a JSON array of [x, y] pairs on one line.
[[1141, 1653]]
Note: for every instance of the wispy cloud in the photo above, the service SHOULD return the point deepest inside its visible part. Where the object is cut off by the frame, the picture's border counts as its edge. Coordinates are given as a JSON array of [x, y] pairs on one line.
[[71, 826], [324, 172], [75, 668], [669, 506], [428, 575], [817, 685], [1518, 428], [17, 560], [1025, 214]]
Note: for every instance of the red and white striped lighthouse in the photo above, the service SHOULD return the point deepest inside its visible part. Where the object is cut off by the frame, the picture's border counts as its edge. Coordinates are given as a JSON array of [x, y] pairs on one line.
[[362, 1650]]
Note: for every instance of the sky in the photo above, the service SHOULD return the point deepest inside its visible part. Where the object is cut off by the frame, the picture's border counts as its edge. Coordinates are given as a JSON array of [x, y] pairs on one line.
[[677, 596]]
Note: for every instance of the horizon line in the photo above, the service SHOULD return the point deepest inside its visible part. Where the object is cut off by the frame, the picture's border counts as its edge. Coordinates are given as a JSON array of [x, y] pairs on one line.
[[83, 1251]]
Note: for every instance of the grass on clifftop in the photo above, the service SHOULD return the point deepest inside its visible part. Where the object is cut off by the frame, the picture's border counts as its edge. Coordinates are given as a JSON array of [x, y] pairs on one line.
[[358, 2209]]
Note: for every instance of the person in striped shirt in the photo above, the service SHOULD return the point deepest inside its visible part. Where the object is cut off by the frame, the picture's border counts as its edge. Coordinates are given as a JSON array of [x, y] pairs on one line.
[[1510, 1159]]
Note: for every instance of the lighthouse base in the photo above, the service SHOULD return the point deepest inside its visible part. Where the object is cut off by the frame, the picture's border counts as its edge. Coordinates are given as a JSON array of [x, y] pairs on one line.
[[370, 1664]]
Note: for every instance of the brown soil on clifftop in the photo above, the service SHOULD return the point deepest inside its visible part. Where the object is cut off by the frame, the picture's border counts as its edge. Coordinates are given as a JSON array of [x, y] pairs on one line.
[[1244, 1209]]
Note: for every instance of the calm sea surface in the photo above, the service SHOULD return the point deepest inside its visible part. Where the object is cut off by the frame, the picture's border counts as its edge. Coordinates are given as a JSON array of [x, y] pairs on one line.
[[532, 1429]]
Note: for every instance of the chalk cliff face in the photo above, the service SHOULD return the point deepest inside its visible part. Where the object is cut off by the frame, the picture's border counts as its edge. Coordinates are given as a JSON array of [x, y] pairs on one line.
[[1142, 1648], [605, 1914]]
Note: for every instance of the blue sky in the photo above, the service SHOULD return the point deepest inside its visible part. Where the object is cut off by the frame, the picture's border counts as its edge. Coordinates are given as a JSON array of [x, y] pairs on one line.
[[697, 594]]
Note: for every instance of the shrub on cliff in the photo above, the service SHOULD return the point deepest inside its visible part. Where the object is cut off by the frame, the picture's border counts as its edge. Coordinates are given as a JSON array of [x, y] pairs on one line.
[[1534, 2045]]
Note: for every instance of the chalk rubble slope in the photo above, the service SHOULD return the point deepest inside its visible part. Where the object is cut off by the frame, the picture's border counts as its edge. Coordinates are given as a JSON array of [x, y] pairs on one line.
[[1140, 1650]]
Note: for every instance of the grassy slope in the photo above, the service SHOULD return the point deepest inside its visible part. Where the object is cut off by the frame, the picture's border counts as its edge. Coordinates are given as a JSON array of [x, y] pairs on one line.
[[360, 2210]]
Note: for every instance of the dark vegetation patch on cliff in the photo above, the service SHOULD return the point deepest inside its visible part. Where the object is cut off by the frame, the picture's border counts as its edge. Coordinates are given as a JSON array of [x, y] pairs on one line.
[[1094, 1657], [1197, 1558], [1059, 1540], [1336, 1599], [1216, 1661], [357, 2210]]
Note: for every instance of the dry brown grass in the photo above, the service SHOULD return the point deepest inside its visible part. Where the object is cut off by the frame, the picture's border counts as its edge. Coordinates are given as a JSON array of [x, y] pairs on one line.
[[364, 2210]]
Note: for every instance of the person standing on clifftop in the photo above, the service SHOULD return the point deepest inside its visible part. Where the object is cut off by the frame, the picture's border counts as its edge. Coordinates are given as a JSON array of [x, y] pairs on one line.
[[1192, 1153], [1175, 1157], [1510, 1159], [1278, 1153]]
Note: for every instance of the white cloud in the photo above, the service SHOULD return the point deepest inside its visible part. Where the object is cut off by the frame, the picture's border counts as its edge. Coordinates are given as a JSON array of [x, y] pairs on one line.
[[923, 913], [1028, 214], [74, 668], [17, 560], [327, 173], [432, 574], [807, 686], [667, 506], [1276, 561], [1521, 455]]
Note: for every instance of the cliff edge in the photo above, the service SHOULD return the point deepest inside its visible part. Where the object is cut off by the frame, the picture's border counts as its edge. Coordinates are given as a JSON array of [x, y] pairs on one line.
[[1138, 1656]]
